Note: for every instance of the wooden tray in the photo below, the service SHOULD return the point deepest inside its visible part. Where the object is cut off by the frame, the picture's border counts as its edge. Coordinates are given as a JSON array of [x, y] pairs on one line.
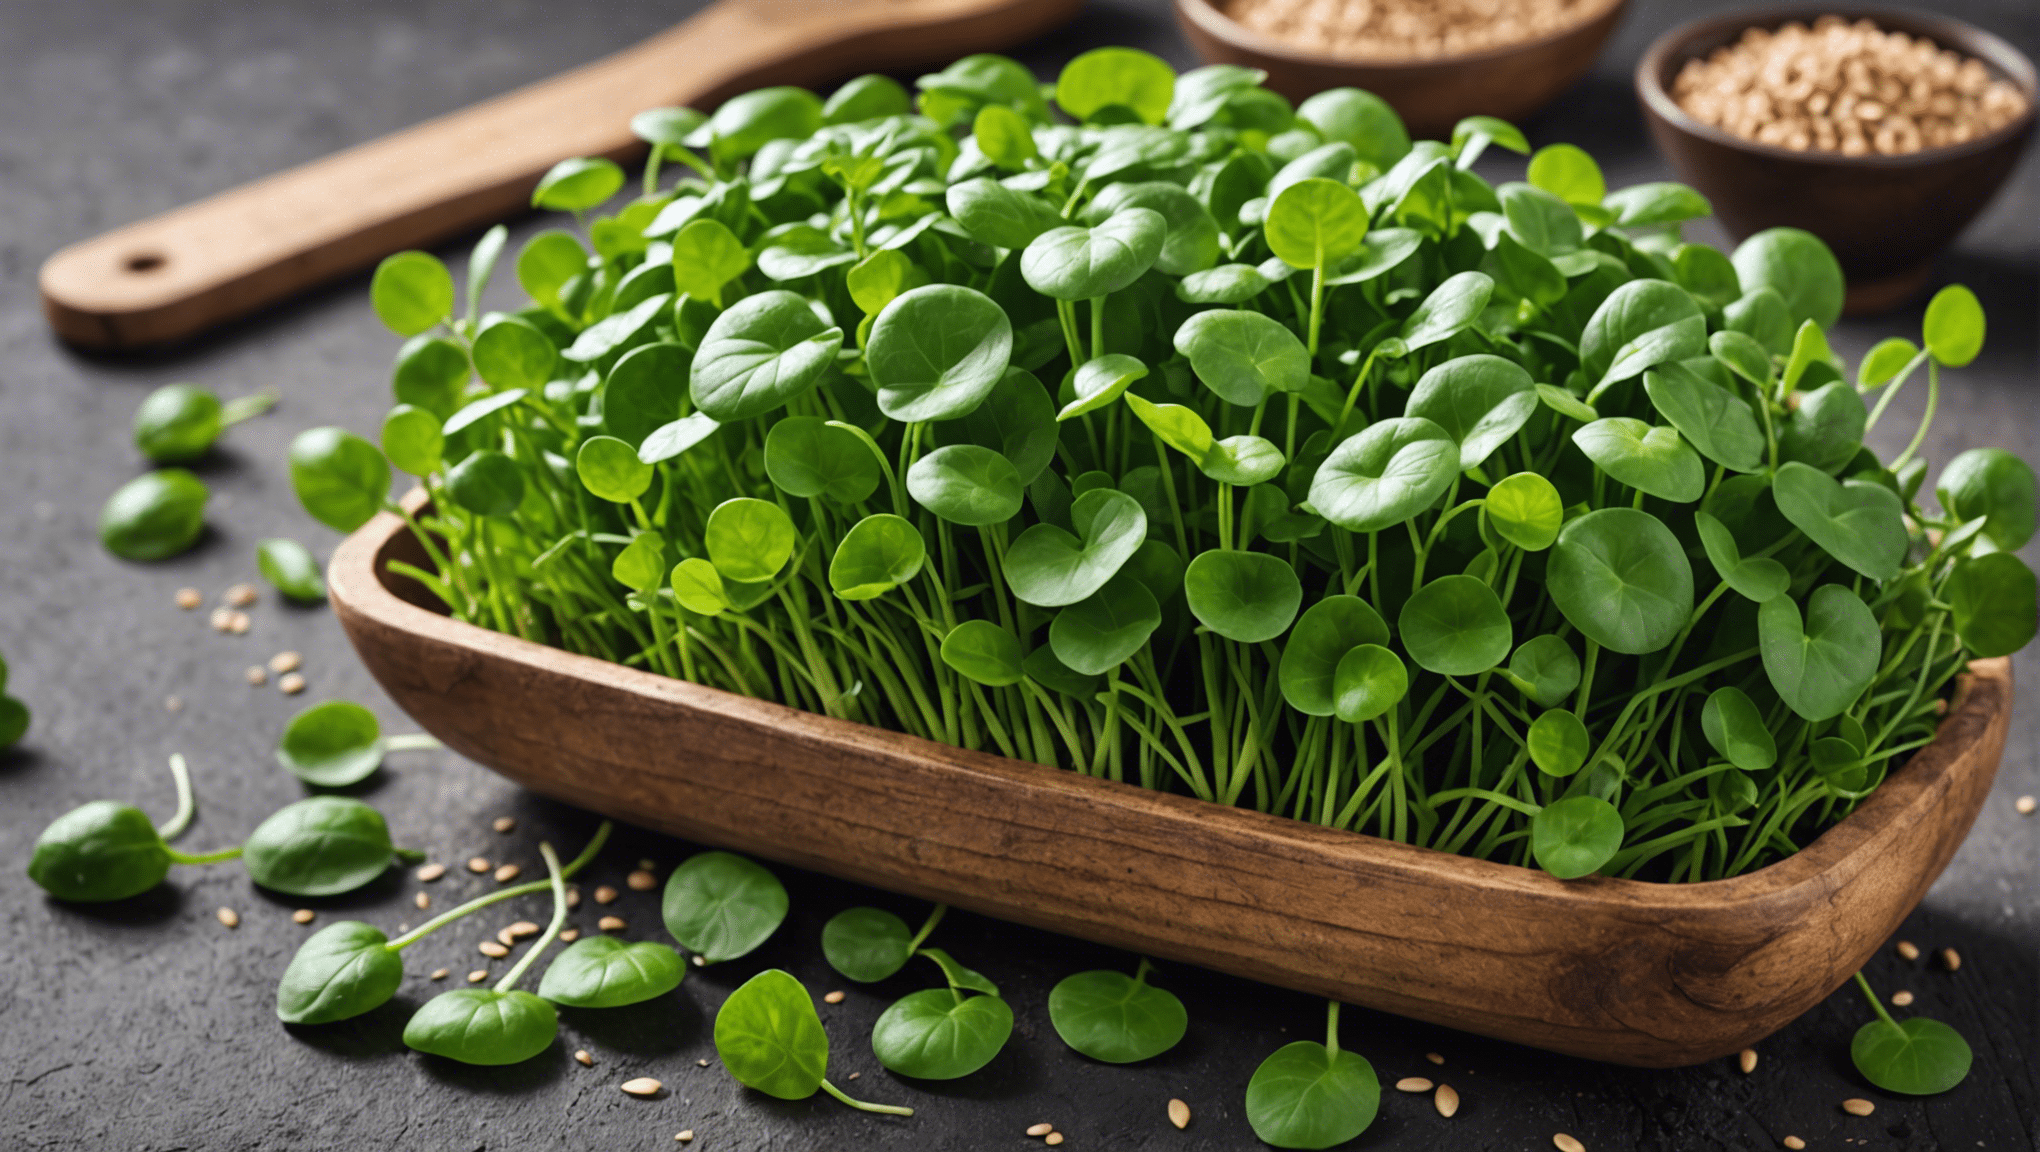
[[1634, 973]]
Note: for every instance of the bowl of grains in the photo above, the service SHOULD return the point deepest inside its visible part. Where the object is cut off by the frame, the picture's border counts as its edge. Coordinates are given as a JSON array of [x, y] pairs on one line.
[[1434, 61], [1882, 132]]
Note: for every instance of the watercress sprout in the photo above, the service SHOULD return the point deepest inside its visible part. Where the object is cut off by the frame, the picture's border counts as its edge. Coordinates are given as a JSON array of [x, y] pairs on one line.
[[154, 516], [1117, 1018], [177, 423], [500, 1025], [320, 846], [106, 850], [1916, 1056], [1308, 1095], [769, 1037], [338, 743], [290, 567], [720, 906]]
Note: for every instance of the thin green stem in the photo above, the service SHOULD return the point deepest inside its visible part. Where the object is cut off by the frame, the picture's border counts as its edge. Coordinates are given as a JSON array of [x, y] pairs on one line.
[[187, 807], [552, 930], [862, 1106], [587, 855], [203, 858]]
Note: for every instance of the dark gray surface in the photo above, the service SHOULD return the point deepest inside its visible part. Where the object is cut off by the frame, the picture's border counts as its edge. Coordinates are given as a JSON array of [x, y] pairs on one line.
[[148, 1026]]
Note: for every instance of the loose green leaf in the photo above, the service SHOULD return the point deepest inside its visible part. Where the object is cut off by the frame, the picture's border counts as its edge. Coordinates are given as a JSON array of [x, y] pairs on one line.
[[1736, 729], [604, 972], [1116, 1018], [322, 846], [340, 972], [867, 944], [1307, 1096], [720, 906], [157, 515], [411, 292]]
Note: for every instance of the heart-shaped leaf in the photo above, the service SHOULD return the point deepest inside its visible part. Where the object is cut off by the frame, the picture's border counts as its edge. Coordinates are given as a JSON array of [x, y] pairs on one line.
[[1857, 522], [1655, 460], [966, 484], [1324, 634], [878, 554], [1575, 836], [1104, 630], [1388, 473], [1480, 401], [1992, 599], [1919, 1057], [1017, 420], [1049, 567], [1545, 669], [1243, 356], [1456, 626], [936, 352], [1759, 578], [1822, 664], [721, 906], [604, 972], [1072, 263], [769, 1037], [1116, 1018], [939, 1034], [806, 456], [1640, 325], [1736, 729], [1243, 596], [1307, 1096], [1368, 682], [1826, 429], [1995, 486], [1315, 222], [1716, 422], [764, 351], [1620, 577]]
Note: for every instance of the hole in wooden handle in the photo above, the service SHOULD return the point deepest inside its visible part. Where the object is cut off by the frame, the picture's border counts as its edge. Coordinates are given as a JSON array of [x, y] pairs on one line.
[[142, 263]]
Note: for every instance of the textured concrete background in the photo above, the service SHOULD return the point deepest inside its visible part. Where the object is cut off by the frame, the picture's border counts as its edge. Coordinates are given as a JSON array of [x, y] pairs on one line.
[[148, 1026]]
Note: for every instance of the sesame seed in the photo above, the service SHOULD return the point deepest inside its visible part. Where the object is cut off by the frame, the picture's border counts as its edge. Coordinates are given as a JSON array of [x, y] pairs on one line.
[[605, 895], [478, 975], [521, 929], [1902, 998], [256, 675], [852, 1076], [684, 1135], [641, 881], [504, 823], [1857, 1106], [570, 935], [1794, 1143], [229, 917], [290, 683], [573, 896], [1052, 1138], [441, 973], [492, 950], [1565, 1143], [172, 703], [1179, 1113], [303, 915], [1951, 959], [1040, 1129], [611, 924], [241, 595], [422, 900], [189, 598], [1446, 1100], [221, 620], [642, 1086], [2025, 805], [1907, 950], [507, 873], [1434, 1058], [704, 1064], [285, 662], [581, 1054], [1413, 1084], [478, 864], [833, 998], [1748, 1059], [431, 872], [239, 624], [504, 937]]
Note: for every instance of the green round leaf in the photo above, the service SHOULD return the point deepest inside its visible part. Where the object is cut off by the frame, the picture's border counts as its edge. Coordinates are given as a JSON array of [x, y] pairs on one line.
[[412, 439], [411, 291], [547, 262], [1716, 422], [764, 351], [1369, 681], [936, 352], [1072, 263], [1480, 401], [706, 257], [1525, 510], [177, 423], [999, 216], [99, 851], [1456, 626], [513, 353], [338, 973], [966, 484], [1919, 1057], [746, 123], [1858, 522], [1450, 309], [674, 439], [1393, 470], [768, 1036], [322, 846], [1243, 596], [669, 127], [1242, 461], [1559, 744], [475, 412], [332, 745], [155, 516], [721, 906], [1243, 356], [984, 652], [1993, 601], [1744, 355], [1361, 119], [483, 1026], [1017, 420], [1113, 1017], [604, 972], [867, 944], [1758, 579], [1545, 669], [806, 456], [1953, 330], [1641, 325], [1307, 1096], [1620, 577], [698, 587], [1822, 664], [1826, 429], [641, 564], [1104, 630], [1993, 484], [486, 483], [1099, 381], [610, 469], [1799, 267], [643, 392], [1576, 836], [1653, 460], [291, 568], [1735, 728], [13, 721], [1569, 173], [1331, 628], [937, 1034], [1049, 567], [1193, 241], [1121, 77], [1315, 223], [340, 478], [1540, 219], [574, 185], [879, 553], [749, 540]]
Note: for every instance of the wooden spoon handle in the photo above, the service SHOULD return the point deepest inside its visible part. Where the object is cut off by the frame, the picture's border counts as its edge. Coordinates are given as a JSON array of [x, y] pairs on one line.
[[171, 276]]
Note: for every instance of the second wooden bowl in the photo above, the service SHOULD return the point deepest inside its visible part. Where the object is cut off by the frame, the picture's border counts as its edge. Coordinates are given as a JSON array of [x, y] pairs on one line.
[[1657, 975]]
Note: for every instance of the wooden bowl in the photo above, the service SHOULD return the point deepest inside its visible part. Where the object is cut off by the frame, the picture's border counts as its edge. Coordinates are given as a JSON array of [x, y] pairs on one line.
[[1886, 217], [1432, 94], [1657, 975]]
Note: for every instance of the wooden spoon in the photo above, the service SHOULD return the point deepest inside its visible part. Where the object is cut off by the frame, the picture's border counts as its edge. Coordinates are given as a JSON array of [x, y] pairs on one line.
[[171, 276]]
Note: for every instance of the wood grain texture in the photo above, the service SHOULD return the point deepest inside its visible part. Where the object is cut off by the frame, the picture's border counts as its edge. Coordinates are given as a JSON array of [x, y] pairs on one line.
[[171, 276], [1430, 95], [1623, 971]]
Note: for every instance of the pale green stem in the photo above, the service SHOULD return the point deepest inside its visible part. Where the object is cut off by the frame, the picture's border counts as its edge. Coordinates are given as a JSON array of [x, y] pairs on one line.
[[174, 827], [559, 920]]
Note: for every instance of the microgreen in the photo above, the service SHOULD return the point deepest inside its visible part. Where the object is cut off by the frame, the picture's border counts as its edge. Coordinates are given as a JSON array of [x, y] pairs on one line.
[[769, 1037], [154, 516], [720, 906], [941, 1033], [1308, 1095], [1116, 1018], [322, 846], [1916, 1056], [338, 743], [177, 423], [500, 1025], [290, 567], [106, 850], [1169, 434]]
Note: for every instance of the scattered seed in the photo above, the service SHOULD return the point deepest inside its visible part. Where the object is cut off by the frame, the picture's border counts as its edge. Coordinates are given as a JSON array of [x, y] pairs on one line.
[[2025, 805], [222, 619], [852, 1076], [605, 895], [257, 677], [507, 873], [1447, 1100], [586, 1060], [441, 973], [641, 881], [504, 937], [1565, 1143], [239, 625], [573, 896], [611, 924], [1951, 959], [423, 900], [521, 929], [643, 1086], [478, 975], [1748, 1058], [303, 915], [172, 703], [704, 1064], [189, 598], [1902, 998], [1053, 1138], [1857, 1106], [1413, 1084], [1794, 1143], [1179, 1114], [1040, 1129], [478, 864], [492, 950], [833, 998], [241, 595], [699, 961], [290, 683], [684, 1135], [285, 662], [431, 872], [570, 935], [505, 823], [1907, 950], [229, 917], [1434, 1058]]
